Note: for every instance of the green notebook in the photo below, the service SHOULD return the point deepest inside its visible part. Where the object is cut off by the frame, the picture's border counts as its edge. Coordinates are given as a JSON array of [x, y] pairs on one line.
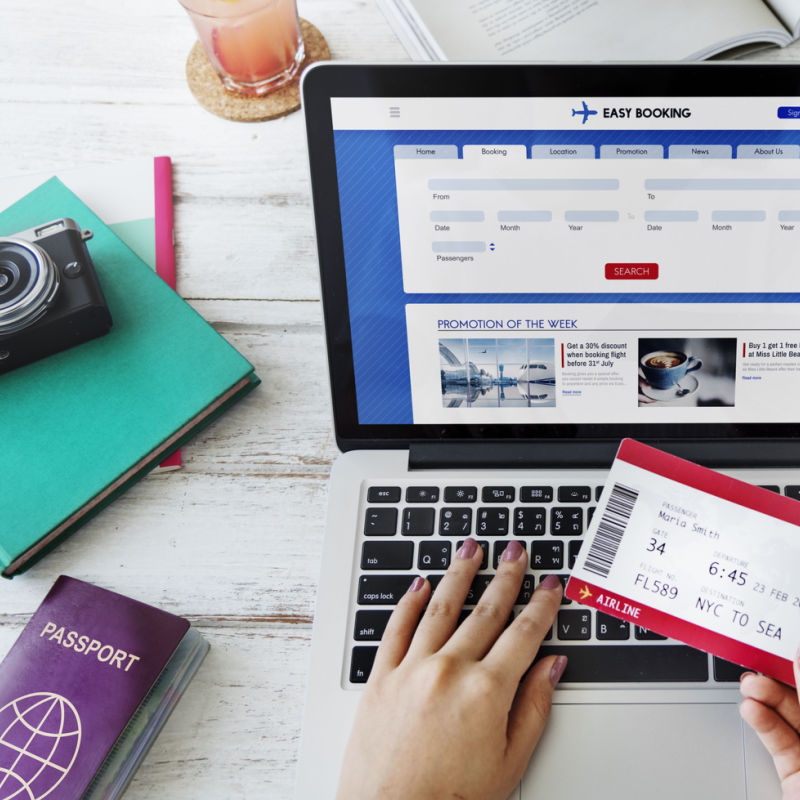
[[81, 426]]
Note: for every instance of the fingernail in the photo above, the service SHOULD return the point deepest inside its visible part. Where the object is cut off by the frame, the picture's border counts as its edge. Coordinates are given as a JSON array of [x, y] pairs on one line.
[[416, 584], [550, 582], [513, 551], [468, 549], [797, 657], [557, 670]]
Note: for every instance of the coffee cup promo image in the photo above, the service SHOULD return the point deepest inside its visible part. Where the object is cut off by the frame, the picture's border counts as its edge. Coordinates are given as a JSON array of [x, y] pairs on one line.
[[687, 372]]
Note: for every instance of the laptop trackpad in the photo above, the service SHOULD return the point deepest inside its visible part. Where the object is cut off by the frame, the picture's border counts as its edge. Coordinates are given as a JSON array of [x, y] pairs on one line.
[[659, 751]]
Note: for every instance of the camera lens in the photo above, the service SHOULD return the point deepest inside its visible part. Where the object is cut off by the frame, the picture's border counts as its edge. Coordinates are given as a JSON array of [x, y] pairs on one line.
[[6, 276], [28, 284]]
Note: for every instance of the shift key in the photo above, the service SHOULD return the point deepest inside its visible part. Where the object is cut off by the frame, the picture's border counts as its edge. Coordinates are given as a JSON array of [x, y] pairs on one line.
[[382, 590]]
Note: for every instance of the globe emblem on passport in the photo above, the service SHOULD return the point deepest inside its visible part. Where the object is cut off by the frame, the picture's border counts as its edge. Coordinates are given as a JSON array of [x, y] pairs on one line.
[[40, 735]]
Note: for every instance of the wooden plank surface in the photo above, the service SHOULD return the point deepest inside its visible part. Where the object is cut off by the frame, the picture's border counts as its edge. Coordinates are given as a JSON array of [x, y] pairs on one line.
[[232, 541]]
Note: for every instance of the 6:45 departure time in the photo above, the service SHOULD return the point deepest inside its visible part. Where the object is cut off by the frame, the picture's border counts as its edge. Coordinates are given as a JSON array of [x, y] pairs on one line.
[[737, 577]]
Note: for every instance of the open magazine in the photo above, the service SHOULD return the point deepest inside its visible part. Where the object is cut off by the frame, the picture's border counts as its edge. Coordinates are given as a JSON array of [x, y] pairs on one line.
[[589, 30]]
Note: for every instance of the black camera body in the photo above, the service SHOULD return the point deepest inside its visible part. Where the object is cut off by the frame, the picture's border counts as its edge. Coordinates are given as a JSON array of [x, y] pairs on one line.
[[50, 296]]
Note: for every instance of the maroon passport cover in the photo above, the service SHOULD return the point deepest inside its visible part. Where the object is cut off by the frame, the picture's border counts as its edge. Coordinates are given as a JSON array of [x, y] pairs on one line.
[[71, 683]]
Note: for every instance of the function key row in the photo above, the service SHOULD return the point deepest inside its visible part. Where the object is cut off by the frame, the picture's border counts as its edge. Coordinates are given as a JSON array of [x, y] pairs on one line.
[[489, 494], [491, 521]]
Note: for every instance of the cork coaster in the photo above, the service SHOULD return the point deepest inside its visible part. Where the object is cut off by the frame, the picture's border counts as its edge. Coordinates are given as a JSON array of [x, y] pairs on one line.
[[208, 90]]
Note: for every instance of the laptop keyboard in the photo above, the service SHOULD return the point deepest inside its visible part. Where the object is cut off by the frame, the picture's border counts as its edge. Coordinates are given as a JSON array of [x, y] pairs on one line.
[[417, 529]]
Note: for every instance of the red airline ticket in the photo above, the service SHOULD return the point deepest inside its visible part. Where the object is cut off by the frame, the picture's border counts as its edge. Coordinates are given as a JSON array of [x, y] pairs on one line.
[[697, 556]]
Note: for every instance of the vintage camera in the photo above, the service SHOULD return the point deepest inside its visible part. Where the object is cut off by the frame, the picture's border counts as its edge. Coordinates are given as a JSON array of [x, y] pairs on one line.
[[50, 297]]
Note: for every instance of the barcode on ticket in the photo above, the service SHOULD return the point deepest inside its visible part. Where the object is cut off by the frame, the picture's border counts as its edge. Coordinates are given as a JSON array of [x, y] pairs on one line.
[[611, 529]]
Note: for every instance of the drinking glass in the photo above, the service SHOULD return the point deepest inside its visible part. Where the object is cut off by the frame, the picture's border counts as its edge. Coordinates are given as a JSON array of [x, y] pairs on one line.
[[254, 45]]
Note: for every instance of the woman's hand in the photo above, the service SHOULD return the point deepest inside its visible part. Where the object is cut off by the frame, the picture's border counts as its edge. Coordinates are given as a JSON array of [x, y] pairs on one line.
[[772, 710], [450, 712]]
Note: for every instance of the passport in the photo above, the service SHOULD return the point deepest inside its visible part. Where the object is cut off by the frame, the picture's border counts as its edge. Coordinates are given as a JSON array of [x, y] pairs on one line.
[[85, 690]]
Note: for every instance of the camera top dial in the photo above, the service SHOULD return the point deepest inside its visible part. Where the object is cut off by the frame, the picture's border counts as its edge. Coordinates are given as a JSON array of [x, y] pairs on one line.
[[29, 283]]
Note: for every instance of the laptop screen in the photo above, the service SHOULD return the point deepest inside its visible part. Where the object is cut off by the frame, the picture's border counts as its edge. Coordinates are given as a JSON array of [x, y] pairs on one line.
[[580, 264]]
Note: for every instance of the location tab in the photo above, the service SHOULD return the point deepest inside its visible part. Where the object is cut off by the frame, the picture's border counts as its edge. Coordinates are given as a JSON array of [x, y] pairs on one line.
[[768, 151], [562, 151], [700, 151], [425, 151], [633, 271], [496, 152], [631, 151]]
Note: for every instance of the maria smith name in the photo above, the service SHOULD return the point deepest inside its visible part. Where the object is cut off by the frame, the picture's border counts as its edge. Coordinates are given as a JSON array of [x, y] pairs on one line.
[[104, 653]]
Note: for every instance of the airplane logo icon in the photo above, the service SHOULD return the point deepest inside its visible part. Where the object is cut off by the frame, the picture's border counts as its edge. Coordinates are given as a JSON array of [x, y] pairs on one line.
[[585, 593], [586, 112]]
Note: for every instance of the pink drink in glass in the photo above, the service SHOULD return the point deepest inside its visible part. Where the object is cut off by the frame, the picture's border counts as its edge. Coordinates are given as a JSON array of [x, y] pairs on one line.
[[254, 45]]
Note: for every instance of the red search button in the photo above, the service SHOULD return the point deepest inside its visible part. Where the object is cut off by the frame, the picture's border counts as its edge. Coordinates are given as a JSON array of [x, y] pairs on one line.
[[631, 272]]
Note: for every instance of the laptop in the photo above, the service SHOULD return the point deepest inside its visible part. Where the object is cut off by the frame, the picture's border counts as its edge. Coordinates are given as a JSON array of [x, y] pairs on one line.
[[521, 265]]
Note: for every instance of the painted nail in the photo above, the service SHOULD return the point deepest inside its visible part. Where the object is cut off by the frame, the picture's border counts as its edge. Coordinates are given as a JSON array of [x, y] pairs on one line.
[[513, 551], [550, 582], [468, 549], [416, 584], [557, 670], [797, 657]]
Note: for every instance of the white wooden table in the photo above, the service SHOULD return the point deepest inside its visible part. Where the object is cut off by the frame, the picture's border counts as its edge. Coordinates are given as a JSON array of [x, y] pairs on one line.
[[232, 541]]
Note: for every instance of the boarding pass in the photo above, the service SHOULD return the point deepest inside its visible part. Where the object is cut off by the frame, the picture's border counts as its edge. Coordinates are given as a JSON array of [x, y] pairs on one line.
[[697, 556]]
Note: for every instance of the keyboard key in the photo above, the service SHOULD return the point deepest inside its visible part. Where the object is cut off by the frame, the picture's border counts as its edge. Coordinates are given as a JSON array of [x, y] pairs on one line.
[[383, 494], [434, 581], [644, 635], [792, 491], [484, 545], [536, 494], [566, 521], [361, 663], [618, 663], [530, 521], [455, 521], [565, 601], [727, 671], [499, 549], [370, 625], [460, 494], [772, 488], [382, 590], [547, 555], [492, 522], [387, 555], [574, 625], [422, 494], [380, 522], [498, 494], [589, 515], [574, 547], [598, 490], [477, 588], [526, 590], [434, 555], [417, 521], [574, 494], [612, 629]]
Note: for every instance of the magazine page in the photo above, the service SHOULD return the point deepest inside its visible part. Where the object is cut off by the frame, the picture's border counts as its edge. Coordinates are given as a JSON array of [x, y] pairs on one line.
[[789, 13], [591, 30]]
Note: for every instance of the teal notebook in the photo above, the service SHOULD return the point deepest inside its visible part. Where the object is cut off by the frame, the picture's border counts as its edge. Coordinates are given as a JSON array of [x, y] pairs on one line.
[[80, 426]]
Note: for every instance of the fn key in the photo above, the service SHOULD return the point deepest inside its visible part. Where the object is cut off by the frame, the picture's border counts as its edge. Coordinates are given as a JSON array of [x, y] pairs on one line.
[[361, 663]]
